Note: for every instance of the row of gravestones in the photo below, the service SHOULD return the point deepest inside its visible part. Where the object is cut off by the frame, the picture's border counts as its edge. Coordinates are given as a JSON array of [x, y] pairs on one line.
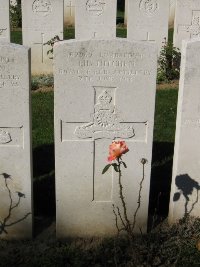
[[148, 21], [104, 90], [69, 12]]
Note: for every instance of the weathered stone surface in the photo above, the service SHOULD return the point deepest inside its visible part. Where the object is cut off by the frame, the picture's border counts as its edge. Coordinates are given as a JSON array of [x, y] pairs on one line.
[[4, 21], [15, 143], [125, 12], [187, 21], [42, 20], [69, 12], [186, 180], [95, 19], [148, 21], [104, 90]]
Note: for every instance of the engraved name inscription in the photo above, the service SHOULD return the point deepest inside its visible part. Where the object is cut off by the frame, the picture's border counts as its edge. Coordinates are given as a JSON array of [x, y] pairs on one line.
[[105, 66], [106, 123], [5, 137], [149, 7], [42, 7], [95, 7], [8, 79]]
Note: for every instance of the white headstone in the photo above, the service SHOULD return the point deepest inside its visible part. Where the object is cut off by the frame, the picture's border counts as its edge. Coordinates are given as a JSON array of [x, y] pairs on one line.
[[148, 21], [41, 21], [69, 13], [104, 90], [15, 144], [125, 12], [187, 21], [186, 179], [4, 21], [172, 13], [95, 19]]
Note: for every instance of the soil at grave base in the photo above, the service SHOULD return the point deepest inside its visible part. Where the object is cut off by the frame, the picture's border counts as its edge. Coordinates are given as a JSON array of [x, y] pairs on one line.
[[162, 86], [172, 85]]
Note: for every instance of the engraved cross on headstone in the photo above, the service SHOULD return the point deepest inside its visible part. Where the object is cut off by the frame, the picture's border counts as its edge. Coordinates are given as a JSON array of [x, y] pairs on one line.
[[70, 7], [105, 124], [194, 27], [42, 47], [148, 38]]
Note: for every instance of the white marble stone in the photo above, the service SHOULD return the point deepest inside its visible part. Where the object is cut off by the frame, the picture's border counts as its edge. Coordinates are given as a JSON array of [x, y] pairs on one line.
[[4, 21], [172, 13], [148, 21], [125, 12], [104, 90], [95, 19], [69, 13], [15, 143], [186, 179], [41, 21], [187, 21]]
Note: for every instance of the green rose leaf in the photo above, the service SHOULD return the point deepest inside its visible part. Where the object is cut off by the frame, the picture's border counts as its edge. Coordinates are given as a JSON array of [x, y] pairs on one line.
[[106, 168], [116, 167]]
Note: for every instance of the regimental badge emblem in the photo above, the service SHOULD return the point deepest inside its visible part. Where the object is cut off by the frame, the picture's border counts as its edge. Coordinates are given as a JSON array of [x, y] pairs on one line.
[[149, 7], [106, 122], [5, 137], [42, 7], [95, 7]]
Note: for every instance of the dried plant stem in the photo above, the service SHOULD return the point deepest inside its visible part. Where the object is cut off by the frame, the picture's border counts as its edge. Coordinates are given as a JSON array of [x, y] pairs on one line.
[[139, 198], [126, 225]]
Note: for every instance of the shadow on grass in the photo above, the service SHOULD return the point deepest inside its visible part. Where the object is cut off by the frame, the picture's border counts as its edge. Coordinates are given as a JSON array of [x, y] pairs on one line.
[[161, 175], [43, 160], [43, 187]]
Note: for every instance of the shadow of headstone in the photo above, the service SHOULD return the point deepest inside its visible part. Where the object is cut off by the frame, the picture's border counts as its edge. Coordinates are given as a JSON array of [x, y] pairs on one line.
[[186, 186]]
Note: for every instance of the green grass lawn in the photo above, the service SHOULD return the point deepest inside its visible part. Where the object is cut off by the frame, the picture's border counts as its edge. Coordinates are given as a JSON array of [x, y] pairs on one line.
[[165, 115]]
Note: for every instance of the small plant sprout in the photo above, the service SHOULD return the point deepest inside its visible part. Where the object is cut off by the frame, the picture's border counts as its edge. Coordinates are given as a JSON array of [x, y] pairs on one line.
[[51, 43], [116, 150]]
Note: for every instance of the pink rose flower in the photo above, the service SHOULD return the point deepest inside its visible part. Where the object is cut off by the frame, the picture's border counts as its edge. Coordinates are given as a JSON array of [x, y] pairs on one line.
[[116, 149]]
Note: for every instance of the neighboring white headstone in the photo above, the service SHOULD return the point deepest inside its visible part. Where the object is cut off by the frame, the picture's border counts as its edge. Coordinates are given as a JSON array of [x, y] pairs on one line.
[[125, 12], [187, 21], [95, 19], [4, 21], [186, 179], [15, 143], [41, 21], [69, 13], [172, 13], [104, 90], [148, 21]]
